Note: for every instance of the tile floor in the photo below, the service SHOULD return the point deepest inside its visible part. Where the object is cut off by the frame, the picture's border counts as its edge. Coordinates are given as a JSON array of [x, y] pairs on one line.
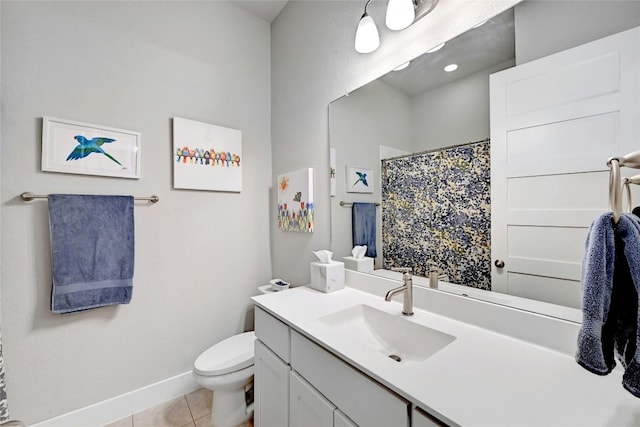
[[191, 410]]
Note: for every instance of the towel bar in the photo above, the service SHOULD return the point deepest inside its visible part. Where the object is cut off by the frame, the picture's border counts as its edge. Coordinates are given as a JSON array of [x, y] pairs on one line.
[[28, 196], [631, 160], [626, 181], [348, 205]]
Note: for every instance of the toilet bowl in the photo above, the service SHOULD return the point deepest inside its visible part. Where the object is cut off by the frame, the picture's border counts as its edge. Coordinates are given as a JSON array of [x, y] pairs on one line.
[[227, 369]]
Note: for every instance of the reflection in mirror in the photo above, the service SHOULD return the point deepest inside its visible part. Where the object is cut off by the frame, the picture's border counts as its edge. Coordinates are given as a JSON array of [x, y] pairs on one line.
[[443, 116]]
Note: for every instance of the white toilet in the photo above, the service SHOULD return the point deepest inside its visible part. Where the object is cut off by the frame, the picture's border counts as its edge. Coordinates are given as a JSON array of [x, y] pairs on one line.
[[227, 369]]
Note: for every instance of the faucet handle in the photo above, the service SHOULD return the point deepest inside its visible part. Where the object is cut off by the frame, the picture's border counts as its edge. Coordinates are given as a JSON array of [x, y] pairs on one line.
[[401, 269]]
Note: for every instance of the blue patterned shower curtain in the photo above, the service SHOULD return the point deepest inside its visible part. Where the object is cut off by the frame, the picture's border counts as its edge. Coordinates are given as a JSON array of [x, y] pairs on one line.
[[436, 207]]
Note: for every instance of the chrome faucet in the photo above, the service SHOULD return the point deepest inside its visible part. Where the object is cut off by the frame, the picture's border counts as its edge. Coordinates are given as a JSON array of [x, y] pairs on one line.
[[434, 272], [407, 288]]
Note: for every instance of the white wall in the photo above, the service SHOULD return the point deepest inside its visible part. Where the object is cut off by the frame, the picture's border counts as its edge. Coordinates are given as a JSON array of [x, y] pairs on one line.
[[455, 113], [199, 255], [542, 26], [359, 124], [318, 65]]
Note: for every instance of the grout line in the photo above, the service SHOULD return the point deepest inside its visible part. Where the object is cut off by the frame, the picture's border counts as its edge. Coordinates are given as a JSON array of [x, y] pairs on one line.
[[193, 420], [190, 411]]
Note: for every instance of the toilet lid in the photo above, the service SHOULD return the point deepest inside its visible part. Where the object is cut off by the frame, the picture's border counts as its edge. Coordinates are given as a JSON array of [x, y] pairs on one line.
[[229, 355]]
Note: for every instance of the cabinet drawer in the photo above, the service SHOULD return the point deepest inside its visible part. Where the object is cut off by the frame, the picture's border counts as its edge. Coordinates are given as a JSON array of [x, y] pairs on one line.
[[273, 333], [421, 419], [347, 387], [341, 420]]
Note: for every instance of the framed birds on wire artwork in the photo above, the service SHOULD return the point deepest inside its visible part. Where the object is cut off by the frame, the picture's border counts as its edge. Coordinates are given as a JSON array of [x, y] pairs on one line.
[[359, 180], [206, 156], [88, 149]]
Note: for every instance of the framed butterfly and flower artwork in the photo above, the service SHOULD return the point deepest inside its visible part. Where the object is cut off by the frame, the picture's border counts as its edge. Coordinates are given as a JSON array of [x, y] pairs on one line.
[[82, 148], [295, 201], [359, 180]]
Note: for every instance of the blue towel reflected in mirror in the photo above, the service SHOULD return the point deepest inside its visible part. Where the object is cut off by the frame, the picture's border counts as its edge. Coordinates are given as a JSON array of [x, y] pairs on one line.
[[364, 227]]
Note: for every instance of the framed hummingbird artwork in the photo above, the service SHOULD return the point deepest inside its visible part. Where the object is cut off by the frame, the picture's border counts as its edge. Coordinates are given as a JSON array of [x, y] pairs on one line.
[[89, 149], [359, 180]]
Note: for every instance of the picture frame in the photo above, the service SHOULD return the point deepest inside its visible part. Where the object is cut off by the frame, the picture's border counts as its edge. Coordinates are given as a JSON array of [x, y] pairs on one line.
[[332, 171], [359, 180], [296, 209], [206, 156], [74, 147]]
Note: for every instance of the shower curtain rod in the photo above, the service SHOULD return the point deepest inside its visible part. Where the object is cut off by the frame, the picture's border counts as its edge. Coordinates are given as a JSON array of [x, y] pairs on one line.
[[28, 196], [433, 150]]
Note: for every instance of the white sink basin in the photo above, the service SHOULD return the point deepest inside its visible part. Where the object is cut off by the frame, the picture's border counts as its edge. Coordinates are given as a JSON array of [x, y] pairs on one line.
[[392, 335]]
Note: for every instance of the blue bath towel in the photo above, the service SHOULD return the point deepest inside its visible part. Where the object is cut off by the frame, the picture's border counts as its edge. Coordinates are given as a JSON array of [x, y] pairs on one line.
[[92, 251], [364, 227], [610, 284]]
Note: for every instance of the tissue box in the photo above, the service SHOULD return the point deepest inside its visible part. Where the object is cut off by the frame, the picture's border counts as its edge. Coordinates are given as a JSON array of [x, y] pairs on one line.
[[364, 265], [327, 277]]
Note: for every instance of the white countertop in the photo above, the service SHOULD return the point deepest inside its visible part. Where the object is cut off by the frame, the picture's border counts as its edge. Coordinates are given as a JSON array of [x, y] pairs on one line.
[[481, 379]]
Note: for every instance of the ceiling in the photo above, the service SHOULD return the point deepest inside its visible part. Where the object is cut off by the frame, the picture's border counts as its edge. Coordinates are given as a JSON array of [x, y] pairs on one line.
[[263, 9], [478, 49]]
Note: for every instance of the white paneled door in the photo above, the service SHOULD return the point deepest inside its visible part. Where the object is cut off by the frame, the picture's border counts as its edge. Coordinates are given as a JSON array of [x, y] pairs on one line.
[[554, 123]]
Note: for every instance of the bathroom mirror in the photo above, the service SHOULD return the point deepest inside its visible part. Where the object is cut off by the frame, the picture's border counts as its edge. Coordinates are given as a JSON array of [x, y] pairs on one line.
[[423, 109]]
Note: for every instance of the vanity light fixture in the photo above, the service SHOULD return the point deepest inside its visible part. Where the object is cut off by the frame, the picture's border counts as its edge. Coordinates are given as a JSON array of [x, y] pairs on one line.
[[400, 15], [403, 13], [367, 38], [451, 67]]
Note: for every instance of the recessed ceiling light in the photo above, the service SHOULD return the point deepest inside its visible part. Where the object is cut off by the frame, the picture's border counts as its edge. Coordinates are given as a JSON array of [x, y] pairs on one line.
[[480, 23], [436, 48], [402, 66], [451, 67]]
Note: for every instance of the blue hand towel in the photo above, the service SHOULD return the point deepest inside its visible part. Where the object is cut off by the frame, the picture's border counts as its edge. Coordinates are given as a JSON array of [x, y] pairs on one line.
[[610, 284], [364, 227], [92, 251], [595, 352]]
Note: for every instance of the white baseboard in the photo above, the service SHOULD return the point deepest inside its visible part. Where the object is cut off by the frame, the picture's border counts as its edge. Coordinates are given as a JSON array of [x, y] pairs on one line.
[[116, 408]]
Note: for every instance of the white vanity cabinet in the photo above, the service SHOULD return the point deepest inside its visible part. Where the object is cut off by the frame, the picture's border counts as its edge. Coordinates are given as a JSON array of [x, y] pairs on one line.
[[419, 418], [300, 384], [362, 399], [307, 407], [271, 377], [271, 388], [341, 420]]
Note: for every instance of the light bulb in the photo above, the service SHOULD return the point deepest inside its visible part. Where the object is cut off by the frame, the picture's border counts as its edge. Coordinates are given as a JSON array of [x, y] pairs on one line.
[[400, 14], [451, 67], [367, 38]]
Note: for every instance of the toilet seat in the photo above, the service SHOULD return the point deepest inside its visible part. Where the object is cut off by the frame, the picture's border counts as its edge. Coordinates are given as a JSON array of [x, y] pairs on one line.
[[229, 355]]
